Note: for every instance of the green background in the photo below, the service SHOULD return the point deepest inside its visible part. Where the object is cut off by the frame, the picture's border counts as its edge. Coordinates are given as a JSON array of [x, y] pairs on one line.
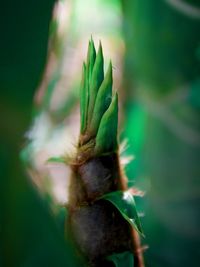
[[161, 60]]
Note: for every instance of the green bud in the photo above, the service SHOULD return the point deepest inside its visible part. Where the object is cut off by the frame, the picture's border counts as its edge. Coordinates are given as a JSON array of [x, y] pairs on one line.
[[92, 57], [83, 99], [88, 54], [96, 80], [102, 102], [87, 96], [106, 139]]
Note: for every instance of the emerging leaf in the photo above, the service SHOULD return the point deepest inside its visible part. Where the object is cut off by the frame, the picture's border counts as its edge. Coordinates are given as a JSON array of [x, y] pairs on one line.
[[102, 102], [106, 139], [92, 57], [125, 203], [83, 99], [87, 95], [96, 80]]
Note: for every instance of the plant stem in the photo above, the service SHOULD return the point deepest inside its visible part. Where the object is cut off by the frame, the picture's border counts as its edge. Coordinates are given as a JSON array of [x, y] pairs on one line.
[[137, 250]]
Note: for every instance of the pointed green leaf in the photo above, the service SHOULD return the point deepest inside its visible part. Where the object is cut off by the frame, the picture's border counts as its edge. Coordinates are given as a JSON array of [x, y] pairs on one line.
[[56, 160], [122, 259], [83, 99], [87, 95], [96, 80], [125, 203], [92, 57], [84, 91], [102, 102], [88, 53], [106, 139]]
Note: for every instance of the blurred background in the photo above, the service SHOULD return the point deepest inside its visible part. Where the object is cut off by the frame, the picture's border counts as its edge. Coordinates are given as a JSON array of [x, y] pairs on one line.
[[155, 50]]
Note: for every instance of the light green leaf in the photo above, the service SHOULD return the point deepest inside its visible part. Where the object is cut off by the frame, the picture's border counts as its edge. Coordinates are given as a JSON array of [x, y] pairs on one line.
[[106, 140], [124, 259], [87, 94], [84, 89], [92, 57], [56, 160], [102, 102], [125, 203], [83, 99], [96, 80]]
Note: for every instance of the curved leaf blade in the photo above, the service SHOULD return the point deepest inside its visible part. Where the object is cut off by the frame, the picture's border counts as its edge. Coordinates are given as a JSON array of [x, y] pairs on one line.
[[102, 102], [83, 99], [92, 57], [106, 139], [97, 77], [125, 203]]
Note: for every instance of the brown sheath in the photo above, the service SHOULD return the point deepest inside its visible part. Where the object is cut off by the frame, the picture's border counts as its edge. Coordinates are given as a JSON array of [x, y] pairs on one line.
[[97, 227]]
